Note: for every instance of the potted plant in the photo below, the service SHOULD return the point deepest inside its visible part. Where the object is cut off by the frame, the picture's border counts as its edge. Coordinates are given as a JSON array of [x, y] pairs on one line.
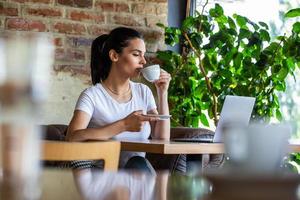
[[225, 55]]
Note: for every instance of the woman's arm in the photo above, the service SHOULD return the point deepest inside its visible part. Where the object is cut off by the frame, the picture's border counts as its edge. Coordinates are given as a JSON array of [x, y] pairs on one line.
[[161, 129], [78, 131]]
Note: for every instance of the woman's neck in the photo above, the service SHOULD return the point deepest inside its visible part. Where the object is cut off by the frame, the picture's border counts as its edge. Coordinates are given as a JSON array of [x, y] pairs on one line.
[[117, 86]]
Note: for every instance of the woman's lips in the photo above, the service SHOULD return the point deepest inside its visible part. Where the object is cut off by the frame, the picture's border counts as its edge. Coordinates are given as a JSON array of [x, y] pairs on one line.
[[139, 69]]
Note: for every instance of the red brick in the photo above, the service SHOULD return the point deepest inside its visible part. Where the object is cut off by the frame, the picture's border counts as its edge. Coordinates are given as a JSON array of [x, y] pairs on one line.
[[105, 6], [122, 7], [41, 1], [19, 1], [162, 9], [79, 42], [69, 55], [25, 24], [127, 21], [69, 28], [58, 41], [97, 30], [8, 10], [74, 69], [33, 1], [138, 8], [157, 1], [142, 8], [44, 12], [76, 3], [151, 35], [86, 16], [152, 21]]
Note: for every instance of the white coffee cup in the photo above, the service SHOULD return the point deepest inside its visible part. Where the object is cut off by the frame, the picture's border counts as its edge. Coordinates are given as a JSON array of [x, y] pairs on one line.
[[257, 149], [151, 73]]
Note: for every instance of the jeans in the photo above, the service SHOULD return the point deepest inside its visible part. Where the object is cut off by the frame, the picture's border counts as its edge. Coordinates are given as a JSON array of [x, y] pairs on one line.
[[139, 163]]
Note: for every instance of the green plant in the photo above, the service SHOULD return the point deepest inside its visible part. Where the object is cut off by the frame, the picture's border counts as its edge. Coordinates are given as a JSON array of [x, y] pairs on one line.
[[226, 55]]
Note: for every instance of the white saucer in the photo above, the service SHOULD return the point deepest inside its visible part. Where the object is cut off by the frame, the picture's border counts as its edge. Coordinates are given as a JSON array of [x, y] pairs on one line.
[[161, 117]]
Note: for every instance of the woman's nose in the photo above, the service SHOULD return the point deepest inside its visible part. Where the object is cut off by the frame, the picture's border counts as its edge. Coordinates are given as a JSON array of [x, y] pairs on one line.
[[143, 61]]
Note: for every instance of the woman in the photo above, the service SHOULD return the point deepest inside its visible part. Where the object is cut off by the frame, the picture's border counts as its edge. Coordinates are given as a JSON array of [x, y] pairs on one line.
[[115, 106]]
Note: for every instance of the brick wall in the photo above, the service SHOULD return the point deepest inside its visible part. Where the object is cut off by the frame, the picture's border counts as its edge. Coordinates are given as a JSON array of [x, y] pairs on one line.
[[74, 24]]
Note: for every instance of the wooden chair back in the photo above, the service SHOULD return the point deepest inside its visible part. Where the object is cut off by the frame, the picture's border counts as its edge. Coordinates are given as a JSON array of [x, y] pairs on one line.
[[109, 151]]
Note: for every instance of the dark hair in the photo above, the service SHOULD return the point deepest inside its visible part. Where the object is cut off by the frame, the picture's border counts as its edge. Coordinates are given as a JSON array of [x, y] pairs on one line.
[[117, 40]]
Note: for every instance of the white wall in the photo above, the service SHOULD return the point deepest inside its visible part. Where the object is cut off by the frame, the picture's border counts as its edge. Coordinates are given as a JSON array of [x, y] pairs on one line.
[[64, 92]]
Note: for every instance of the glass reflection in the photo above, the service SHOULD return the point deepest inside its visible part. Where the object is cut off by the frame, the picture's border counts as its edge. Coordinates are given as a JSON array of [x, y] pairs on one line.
[[108, 185], [127, 185]]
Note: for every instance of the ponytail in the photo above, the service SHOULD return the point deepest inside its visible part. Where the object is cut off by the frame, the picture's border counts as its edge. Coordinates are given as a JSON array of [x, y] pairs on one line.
[[98, 70], [117, 40]]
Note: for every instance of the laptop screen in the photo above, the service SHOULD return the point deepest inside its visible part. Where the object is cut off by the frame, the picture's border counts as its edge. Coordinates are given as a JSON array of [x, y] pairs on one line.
[[235, 109]]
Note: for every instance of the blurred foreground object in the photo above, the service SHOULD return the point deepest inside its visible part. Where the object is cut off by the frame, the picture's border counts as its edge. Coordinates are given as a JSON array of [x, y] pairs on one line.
[[256, 149], [25, 61]]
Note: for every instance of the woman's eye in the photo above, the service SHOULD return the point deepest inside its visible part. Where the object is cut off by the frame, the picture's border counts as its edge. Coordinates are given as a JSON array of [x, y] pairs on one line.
[[136, 54]]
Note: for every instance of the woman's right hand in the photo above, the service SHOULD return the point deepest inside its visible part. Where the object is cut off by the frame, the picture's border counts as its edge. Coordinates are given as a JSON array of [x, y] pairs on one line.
[[134, 122]]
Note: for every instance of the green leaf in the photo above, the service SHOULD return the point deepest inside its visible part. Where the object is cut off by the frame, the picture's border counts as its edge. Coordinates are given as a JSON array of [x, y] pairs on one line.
[[244, 33], [204, 120], [222, 20], [205, 98], [290, 64], [264, 35], [278, 115], [263, 24], [283, 73], [172, 35], [292, 13], [275, 69], [280, 86], [254, 39], [188, 23], [241, 21], [219, 9], [160, 25], [231, 23], [281, 38], [296, 27], [255, 26], [270, 50]]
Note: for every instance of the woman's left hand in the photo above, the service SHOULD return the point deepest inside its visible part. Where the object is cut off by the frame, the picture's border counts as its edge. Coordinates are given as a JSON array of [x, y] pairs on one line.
[[162, 84]]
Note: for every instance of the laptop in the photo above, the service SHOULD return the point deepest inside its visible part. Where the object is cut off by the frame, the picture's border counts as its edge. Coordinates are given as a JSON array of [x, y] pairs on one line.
[[236, 109]]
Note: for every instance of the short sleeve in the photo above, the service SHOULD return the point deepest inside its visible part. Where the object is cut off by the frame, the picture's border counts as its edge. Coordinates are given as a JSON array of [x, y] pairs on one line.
[[151, 105], [85, 103]]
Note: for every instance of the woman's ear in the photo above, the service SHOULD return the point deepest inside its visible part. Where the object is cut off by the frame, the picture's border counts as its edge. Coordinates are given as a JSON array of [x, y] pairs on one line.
[[113, 55]]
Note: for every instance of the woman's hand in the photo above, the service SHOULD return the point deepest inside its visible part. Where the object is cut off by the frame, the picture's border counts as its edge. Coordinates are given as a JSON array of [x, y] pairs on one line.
[[162, 84], [134, 122]]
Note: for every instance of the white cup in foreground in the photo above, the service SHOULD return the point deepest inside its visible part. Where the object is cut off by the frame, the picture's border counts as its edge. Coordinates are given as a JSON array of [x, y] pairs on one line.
[[151, 73], [258, 149]]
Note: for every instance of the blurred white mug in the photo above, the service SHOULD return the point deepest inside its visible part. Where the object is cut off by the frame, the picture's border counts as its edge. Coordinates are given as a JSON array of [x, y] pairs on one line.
[[258, 148]]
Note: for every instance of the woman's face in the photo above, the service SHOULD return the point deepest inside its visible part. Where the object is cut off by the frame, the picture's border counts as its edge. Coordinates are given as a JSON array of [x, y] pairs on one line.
[[131, 59]]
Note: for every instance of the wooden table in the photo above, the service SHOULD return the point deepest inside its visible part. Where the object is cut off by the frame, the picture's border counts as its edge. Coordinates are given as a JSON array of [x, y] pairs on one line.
[[170, 147]]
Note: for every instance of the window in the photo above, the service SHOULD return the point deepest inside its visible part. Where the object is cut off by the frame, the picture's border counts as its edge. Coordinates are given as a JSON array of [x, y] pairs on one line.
[[270, 12]]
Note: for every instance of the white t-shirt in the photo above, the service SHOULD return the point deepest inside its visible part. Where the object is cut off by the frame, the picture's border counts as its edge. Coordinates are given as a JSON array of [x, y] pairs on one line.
[[105, 110]]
